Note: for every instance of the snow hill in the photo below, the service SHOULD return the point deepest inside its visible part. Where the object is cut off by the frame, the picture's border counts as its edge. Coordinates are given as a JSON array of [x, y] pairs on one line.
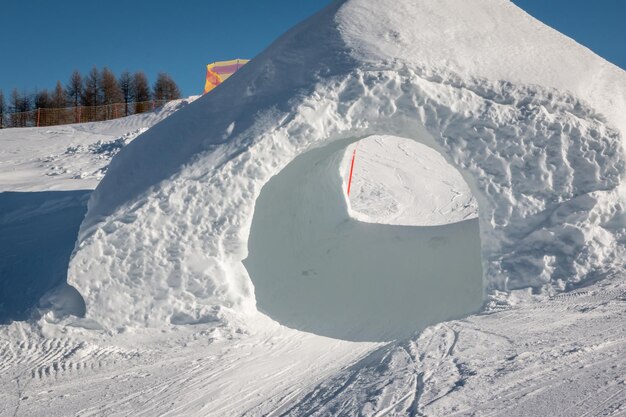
[[536, 136], [221, 268]]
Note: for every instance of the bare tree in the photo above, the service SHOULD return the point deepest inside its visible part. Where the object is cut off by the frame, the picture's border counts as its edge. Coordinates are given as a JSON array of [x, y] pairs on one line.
[[74, 89], [74, 93], [58, 96], [14, 106], [126, 85], [25, 104], [141, 91], [20, 104], [110, 92], [25, 107], [165, 88], [91, 89], [109, 88], [42, 99], [58, 101], [86, 95]]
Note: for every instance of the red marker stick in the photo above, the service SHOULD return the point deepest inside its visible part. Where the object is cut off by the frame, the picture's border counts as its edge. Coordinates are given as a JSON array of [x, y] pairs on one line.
[[351, 169]]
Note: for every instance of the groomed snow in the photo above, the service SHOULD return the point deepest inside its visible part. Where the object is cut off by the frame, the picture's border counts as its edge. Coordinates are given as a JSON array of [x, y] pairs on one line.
[[526, 355]]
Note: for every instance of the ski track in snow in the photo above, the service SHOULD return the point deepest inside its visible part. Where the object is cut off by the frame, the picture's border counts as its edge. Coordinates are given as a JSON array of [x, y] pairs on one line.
[[539, 363]]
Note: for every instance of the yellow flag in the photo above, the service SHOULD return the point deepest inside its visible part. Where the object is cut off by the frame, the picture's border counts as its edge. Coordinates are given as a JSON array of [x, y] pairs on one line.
[[218, 72]]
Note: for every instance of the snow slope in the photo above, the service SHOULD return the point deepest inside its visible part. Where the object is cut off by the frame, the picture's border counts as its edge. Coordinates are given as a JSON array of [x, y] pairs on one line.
[[79, 153], [46, 177], [559, 356], [207, 369], [167, 229]]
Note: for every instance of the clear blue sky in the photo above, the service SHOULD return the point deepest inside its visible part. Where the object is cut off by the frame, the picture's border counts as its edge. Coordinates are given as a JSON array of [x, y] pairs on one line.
[[45, 40]]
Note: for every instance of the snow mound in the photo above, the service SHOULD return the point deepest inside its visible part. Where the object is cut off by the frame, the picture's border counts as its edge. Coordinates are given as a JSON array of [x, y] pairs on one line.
[[533, 122]]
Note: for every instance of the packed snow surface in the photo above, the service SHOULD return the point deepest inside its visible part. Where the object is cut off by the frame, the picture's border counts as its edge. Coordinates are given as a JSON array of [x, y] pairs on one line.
[[221, 260]]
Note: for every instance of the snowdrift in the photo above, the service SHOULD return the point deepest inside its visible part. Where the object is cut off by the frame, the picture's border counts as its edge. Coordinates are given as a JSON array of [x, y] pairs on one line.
[[533, 121]]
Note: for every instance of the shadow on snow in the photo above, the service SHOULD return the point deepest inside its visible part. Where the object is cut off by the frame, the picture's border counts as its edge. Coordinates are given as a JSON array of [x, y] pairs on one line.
[[38, 231]]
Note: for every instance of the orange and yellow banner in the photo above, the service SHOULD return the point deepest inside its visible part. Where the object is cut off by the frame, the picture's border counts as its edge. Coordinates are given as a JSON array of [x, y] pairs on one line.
[[218, 72]]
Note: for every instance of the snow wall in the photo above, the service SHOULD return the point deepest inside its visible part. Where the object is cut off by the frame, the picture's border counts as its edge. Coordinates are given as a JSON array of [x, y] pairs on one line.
[[533, 121]]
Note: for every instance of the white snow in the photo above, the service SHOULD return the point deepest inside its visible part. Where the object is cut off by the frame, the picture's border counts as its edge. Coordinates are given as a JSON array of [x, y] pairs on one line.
[[228, 222], [173, 214], [46, 177], [399, 181], [481, 39], [75, 156]]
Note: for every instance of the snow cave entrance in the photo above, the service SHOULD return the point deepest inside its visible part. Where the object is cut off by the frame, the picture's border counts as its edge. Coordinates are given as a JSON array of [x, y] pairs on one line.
[[401, 252]]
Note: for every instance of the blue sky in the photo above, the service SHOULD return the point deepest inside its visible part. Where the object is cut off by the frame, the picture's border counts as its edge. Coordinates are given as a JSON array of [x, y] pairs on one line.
[[45, 40]]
